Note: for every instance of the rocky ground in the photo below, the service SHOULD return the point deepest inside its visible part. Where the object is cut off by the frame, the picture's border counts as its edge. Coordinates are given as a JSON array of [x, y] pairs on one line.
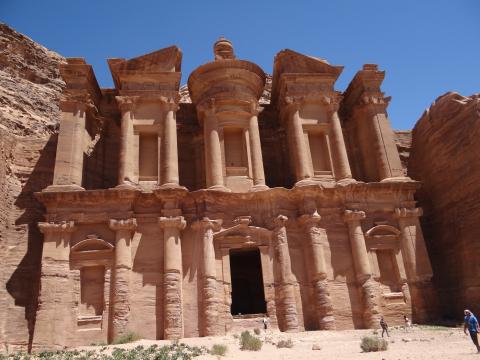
[[419, 343]]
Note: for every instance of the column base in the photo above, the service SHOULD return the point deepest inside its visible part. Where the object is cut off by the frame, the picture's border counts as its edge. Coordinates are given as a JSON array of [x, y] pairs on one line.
[[127, 185], [397, 179], [63, 188], [259, 187], [306, 182], [346, 181], [219, 188], [171, 186]]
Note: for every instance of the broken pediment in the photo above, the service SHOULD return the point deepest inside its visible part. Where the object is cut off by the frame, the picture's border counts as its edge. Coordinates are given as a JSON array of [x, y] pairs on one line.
[[289, 61], [167, 60]]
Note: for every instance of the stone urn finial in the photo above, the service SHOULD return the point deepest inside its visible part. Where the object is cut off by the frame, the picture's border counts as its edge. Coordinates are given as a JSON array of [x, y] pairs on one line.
[[223, 49]]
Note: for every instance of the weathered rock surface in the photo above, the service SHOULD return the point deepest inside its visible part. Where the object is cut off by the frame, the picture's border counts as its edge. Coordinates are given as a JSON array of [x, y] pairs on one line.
[[30, 87], [403, 140], [445, 157]]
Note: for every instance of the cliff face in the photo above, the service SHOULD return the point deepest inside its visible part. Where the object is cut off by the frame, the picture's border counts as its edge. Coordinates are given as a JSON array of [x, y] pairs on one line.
[[403, 140], [445, 156], [30, 88]]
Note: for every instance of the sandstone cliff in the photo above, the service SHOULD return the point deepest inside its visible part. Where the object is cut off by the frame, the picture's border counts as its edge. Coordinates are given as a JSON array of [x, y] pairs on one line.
[[30, 87], [403, 140], [445, 156]]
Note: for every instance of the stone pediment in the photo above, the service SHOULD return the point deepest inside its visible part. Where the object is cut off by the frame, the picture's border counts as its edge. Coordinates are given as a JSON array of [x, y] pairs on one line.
[[242, 232], [167, 60], [295, 68], [164, 60], [289, 61]]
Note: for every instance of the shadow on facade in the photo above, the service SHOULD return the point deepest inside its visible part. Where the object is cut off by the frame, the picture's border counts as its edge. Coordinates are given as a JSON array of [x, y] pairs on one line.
[[24, 283]]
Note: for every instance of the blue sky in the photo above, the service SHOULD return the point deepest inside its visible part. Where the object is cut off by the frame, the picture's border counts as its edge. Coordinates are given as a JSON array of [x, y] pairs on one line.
[[427, 47]]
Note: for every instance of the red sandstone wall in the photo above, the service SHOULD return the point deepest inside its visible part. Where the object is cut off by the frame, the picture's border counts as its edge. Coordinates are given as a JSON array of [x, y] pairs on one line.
[[445, 156], [30, 87]]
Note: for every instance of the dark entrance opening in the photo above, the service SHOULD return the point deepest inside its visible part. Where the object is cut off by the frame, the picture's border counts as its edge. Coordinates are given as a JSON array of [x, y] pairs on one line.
[[248, 296]]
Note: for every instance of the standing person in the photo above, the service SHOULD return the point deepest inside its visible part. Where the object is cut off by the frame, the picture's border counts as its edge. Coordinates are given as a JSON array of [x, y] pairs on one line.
[[265, 323], [471, 323], [408, 323], [384, 326]]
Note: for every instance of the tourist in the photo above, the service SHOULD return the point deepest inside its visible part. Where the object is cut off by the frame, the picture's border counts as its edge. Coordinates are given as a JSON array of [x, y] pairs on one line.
[[265, 323], [471, 323], [408, 323], [384, 326]]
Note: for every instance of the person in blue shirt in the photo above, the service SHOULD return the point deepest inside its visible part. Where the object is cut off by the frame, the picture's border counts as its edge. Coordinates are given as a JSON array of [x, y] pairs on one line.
[[471, 323]]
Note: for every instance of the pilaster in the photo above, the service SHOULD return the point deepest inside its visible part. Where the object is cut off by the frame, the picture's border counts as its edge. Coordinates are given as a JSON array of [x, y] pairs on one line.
[[55, 302], [417, 263]]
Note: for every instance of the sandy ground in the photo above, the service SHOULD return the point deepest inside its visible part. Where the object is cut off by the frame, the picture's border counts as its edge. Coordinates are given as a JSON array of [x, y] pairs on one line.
[[419, 343]]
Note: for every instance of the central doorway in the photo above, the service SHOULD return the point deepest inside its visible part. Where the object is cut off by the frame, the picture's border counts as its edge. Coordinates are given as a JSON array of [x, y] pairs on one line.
[[248, 296]]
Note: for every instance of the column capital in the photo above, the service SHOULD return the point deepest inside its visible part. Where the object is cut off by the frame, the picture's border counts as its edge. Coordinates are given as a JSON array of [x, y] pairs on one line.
[[56, 227], [310, 219], [172, 222], [255, 109], [207, 223], [280, 221], [406, 213], [127, 103], [353, 215], [78, 99], [123, 224], [207, 106]]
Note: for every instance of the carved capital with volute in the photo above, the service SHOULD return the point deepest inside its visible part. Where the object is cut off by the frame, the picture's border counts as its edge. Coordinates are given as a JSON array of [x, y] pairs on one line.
[[280, 221], [407, 213], [353, 215], [207, 223], [308, 220], [127, 103], [123, 224], [177, 222], [56, 227]]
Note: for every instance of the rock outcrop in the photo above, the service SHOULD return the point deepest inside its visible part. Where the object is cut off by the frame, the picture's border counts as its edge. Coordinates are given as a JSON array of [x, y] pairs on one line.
[[30, 88], [445, 157], [403, 140]]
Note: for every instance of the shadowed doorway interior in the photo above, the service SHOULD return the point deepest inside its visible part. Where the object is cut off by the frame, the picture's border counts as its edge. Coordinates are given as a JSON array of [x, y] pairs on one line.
[[247, 283]]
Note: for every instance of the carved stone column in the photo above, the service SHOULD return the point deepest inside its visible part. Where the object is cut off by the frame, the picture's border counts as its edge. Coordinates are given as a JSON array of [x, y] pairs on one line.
[[172, 276], [339, 150], [213, 151], [126, 166], [120, 304], [208, 276], [362, 267], [287, 307], [170, 150], [318, 272], [415, 257], [256, 151], [302, 166], [55, 299], [68, 173]]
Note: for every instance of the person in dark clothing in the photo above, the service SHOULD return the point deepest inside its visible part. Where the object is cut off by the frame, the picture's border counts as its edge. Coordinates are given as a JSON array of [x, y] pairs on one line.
[[471, 324], [384, 326]]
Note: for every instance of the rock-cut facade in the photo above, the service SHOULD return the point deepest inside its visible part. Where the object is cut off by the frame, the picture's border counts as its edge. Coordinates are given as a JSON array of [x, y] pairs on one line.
[[180, 213]]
